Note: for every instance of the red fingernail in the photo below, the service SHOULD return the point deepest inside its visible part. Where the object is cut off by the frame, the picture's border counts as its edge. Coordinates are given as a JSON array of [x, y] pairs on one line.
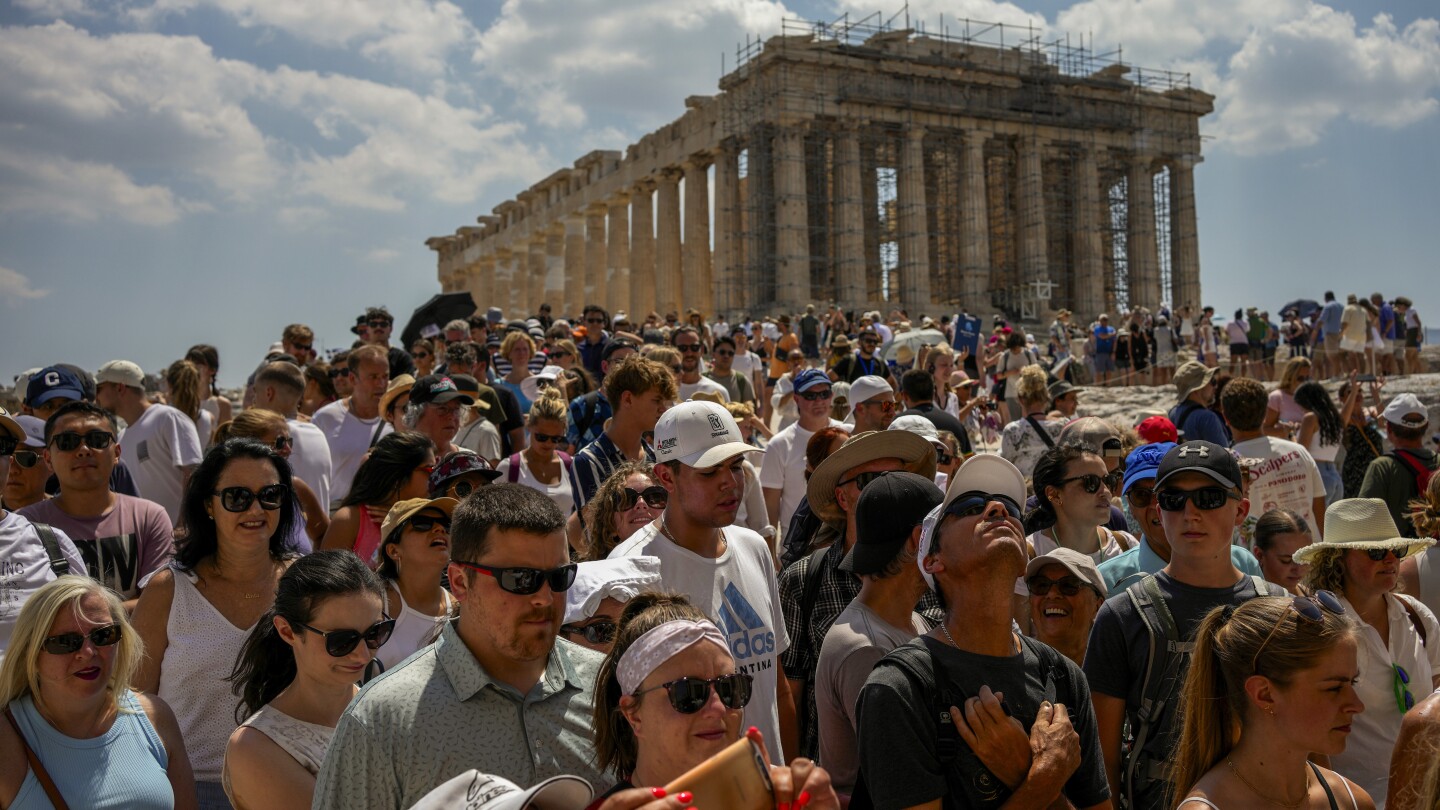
[[684, 797], [752, 730], [804, 798], [658, 793]]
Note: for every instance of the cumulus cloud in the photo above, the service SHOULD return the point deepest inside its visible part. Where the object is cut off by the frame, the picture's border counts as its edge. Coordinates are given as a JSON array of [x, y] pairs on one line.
[[1156, 33], [16, 288]]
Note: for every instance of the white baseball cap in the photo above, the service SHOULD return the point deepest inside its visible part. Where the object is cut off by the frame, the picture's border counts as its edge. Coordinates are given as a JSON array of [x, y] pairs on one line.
[[865, 388], [473, 790], [1406, 410], [698, 434], [121, 371]]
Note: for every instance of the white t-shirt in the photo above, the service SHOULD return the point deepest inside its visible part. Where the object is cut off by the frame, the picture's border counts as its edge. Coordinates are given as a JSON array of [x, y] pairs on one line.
[[688, 390], [1284, 477], [349, 437], [158, 448], [560, 492], [24, 567], [783, 467], [310, 458], [481, 438], [739, 592], [747, 364], [787, 412]]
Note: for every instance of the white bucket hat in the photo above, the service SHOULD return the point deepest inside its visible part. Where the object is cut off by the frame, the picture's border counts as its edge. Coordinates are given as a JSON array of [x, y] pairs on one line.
[[1362, 524]]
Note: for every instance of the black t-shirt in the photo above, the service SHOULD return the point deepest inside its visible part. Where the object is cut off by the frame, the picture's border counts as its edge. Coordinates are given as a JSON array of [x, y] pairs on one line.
[[854, 367], [1119, 646], [513, 417], [897, 727], [810, 329], [400, 362]]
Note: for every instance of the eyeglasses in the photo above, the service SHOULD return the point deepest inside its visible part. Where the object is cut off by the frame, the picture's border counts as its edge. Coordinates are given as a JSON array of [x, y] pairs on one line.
[[66, 643], [864, 479], [302, 347], [69, 441], [654, 497], [601, 631], [546, 438], [1090, 482], [27, 458], [814, 396], [340, 643], [238, 499], [1404, 700], [970, 504], [284, 442], [339, 372], [1140, 497], [525, 581], [1040, 586], [1311, 609], [689, 695], [424, 523], [1205, 498], [1376, 554]]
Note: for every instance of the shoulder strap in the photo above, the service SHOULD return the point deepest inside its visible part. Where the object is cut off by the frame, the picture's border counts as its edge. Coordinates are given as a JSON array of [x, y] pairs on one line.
[[36, 767], [814, 572], [1325, 783], [1044, 434], [1165, 651], [592, 401], [58, 563], [1264, 587], [379, 428], [1414, 618], [513, 474]]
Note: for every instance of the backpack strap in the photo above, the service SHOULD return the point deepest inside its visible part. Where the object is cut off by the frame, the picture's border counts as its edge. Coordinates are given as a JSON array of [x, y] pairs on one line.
[[1416, 467], [1166, 651], [592, 401], [513, 474], [1041, 432], [1414, 619], [58, 563]]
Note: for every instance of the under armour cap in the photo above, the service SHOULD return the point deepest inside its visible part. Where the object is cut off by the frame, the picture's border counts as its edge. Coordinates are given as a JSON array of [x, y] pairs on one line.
[[698, 434], [53, 382], [1207, 458], [1406, 410], [474, 790], [123, 372]]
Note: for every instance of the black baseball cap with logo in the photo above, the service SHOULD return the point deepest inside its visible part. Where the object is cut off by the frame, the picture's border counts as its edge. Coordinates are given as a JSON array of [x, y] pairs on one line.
[[1207, 458], [889, 508], [437, 389]]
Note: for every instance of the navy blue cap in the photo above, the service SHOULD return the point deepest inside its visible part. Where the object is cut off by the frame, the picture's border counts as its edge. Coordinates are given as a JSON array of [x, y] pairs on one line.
[[53, 382], [810, 378]]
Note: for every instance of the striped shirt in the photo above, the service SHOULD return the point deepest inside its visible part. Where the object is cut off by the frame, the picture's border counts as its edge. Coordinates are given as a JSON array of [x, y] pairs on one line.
[[595, 462]]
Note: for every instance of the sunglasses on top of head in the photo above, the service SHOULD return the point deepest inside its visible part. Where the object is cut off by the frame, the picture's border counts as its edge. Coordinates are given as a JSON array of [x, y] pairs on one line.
[[525, 581], [66, 643], [340, 643], [70, 441], [238, 499], [689, 695]]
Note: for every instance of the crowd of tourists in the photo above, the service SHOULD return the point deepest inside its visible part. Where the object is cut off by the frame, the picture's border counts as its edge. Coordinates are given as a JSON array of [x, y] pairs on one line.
[[825, 559]]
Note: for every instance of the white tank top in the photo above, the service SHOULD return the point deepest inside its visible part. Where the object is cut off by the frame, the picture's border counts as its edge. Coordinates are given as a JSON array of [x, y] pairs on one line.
[[306, 742], [203, 646], [412, 629]]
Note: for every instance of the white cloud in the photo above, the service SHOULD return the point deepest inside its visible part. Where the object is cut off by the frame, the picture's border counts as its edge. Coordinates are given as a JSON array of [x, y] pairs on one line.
[[1155, 33], [15, 287], [39, 185], [930, 14], [380, 255]]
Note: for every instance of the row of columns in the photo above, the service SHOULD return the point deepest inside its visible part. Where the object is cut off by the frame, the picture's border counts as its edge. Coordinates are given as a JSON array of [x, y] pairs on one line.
[[629, 251]]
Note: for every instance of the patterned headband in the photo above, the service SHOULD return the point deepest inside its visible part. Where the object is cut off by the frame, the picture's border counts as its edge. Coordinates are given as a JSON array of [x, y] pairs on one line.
[[657, 645]]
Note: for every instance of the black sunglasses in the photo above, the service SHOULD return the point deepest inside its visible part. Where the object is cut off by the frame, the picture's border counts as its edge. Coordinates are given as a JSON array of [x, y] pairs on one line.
[[238, 499], [525, 581], [688, 348], [66, 643], [689, 695], [815, 396], [654, 497], [546, 438], [600, 631], [1090, 482], [864, 479], [380, 324], [340, 643], [424, 523], [970, 504], [1140, 497], [1376, 554], [27, 458], [304, 347], [283, 442], [70, 441], [1040, 586], [339, 372], [1205, 498]]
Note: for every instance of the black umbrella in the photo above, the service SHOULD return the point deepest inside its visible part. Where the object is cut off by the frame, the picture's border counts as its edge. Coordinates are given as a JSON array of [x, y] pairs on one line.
[[1305, 307], [439, 311]]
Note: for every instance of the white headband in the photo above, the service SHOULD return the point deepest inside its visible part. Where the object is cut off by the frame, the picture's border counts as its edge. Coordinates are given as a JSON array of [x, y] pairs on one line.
[[657, 645]]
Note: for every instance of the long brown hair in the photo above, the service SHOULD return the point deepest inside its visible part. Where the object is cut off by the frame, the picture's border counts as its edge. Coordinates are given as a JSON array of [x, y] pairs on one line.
[[602, 507]]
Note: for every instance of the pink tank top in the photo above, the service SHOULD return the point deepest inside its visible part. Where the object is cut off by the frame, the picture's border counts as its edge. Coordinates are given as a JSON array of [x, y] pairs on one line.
[[367, 540]]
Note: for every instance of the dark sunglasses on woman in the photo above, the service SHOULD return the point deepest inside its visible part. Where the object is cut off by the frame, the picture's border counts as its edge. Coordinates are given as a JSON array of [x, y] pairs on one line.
[[1376, 554], [340, 643], [1204, 498], [283, 442], [1090, 482], [1040, 586], [69, 441], [66, 643], [424, 523], [525, 581], [654, 497], [600, 631], [689, 695], [238, 499]]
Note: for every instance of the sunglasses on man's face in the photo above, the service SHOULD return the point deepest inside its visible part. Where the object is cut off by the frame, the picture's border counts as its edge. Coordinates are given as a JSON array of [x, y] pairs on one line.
[[238, 499], [689, 695], [380, 324], [302, 347], [340, 643], [67, 643], [600, 321], [1205, 498], [814, 396], [688, 348], [339, 372], [654, 497], [27, 458], [973, 504], [69, 441], [600, 631], [284, 442], [1091, 482], [525, 581], [864, 479]]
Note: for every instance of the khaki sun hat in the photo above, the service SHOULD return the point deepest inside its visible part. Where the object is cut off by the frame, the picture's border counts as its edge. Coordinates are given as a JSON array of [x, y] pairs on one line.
[[404, 510], [399, 385], [1362, 524], [916, 454], [1191, 377]]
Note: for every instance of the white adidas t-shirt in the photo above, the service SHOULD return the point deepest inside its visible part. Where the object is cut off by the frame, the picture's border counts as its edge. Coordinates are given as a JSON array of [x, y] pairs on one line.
[[739, 592], [158, 448], [349, 438]]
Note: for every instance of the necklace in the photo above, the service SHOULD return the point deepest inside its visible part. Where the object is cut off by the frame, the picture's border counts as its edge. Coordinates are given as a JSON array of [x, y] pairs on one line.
[[951, 639], [220, 576], [1246, 782]]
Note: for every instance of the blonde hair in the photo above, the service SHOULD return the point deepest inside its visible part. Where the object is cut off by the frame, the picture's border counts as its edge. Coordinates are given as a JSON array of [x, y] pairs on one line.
[[20, 671], [740, 410], [1425, 510], [1232, 644], [1287, 379], [1033, 388], [511, 340], [549, 405], [252, 423], [664, 355], [182, 379]]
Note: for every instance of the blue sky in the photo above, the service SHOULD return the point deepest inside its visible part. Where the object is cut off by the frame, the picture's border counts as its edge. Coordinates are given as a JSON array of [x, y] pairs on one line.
[[184, 171]]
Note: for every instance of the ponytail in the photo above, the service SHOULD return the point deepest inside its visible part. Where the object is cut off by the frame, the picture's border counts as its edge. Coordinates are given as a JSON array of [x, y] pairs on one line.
[[1209, 725], [265, 666]]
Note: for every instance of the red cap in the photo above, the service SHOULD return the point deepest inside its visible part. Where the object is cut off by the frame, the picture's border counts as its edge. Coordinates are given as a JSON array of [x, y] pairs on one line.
[[1158, 429]]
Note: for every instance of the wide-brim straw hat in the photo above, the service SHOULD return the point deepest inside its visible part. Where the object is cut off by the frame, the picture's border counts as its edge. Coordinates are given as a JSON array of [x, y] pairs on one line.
[[916, 455], [1361, 524], [399, 385]]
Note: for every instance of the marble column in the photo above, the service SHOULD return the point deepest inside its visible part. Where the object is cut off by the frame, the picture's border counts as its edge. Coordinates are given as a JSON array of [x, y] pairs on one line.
[[506, 288], [1144, 257], [565, 264], [914, 268], [482, 284], [667, 242], [1031, 214], [595, 289], [642, 250], [695, 275], [850, 292], [974, 224], [792, 222], [725, 273], [1184, 236], [617, 255], [538, 270], [1089, 298]]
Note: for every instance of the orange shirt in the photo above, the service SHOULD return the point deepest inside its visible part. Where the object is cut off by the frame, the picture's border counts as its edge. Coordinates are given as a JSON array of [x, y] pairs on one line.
[[779, 366]]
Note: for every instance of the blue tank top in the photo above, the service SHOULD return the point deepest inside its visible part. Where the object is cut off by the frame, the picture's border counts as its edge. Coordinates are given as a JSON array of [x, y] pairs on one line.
[[122, 768]]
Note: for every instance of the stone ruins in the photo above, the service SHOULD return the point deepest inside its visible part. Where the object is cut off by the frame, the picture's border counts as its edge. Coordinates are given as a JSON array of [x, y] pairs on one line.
[[877, 169]]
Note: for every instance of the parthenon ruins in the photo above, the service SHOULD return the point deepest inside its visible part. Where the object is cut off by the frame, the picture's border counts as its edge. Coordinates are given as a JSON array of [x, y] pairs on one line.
[[874, 168]]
